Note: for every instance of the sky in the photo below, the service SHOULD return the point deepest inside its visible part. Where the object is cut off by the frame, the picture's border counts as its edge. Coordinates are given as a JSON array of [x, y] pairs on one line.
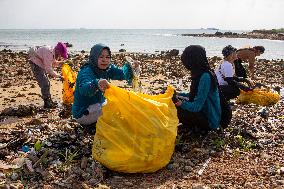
[[141, 14]]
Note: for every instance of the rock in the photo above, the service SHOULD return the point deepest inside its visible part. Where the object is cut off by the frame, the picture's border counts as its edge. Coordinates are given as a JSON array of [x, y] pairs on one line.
[[93, 181], [188, 169], [20, 72], [84, 162], [174, 52], [281, 170], [218, 33], [279, 187], [68, 44], [7, 85], [170, 166], [228, 33], [103, 187], [14, 176], [20, 111], [33, 158], [127, 183], [47, 187], [248, 185], [86, 176], [264, 113], [199, 186], [16, 186], [264, 156], [2, 175], [280, 182], [35, 122], [188, 162], [122, 50], [218, 186]]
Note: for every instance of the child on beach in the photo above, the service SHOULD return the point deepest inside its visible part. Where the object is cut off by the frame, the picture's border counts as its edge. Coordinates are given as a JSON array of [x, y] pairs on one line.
[[200, 109], [92, 81], [42, 60], [230, 85], [249, 55]]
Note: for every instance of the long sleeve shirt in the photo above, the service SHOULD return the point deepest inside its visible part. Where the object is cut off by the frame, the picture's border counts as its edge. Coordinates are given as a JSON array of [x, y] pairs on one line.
[[207, 101], [87, 91], [44, 57]]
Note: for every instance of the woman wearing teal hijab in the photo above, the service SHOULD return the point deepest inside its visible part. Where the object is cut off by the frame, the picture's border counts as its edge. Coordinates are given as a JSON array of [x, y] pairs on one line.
[[91, 82]]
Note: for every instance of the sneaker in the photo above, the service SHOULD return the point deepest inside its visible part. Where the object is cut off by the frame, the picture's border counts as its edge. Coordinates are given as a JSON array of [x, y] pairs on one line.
[[49, 104]]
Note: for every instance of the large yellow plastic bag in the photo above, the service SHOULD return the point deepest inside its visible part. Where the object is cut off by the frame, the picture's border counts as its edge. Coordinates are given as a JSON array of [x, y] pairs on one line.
[[69, 82], [136, 132], [258, 96]]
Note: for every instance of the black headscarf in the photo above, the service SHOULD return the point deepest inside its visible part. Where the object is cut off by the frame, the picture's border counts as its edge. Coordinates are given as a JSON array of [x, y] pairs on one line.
[[195, 60], [228, 50]]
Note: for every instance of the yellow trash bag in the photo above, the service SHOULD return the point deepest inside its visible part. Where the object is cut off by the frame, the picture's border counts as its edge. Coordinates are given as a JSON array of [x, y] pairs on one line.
[[69, 82], [258, 96], [136, 132]]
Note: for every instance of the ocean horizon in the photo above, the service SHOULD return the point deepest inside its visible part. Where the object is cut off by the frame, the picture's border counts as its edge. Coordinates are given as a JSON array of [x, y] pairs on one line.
[[134, 40]]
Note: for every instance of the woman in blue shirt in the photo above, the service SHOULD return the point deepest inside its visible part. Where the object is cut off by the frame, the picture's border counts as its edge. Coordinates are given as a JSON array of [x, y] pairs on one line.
[[200, 108], [91, 82]]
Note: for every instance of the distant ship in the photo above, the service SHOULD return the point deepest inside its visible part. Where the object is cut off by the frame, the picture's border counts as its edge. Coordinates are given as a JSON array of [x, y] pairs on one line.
[[212, 28]]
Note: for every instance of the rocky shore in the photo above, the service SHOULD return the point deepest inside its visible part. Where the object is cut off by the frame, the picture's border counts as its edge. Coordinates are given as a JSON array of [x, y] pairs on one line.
[[248, 154], [255, 34]]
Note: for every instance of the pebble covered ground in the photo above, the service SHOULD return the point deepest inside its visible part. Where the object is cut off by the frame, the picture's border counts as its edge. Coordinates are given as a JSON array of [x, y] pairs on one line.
[[248, 154]]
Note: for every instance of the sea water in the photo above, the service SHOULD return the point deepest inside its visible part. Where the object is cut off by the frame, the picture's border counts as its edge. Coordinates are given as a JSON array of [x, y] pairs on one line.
[[134, 40]]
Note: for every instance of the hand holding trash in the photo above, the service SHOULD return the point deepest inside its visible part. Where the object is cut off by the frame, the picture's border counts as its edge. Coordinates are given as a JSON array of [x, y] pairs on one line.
[[248, 82], [103, 84], [134, 65], [136, 84]]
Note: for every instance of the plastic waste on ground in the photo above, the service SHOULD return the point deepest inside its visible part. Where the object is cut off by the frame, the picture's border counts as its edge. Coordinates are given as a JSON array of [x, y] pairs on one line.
[[136, 132], [263, 112], [25, 148], [69, 82], [37, 145], [261, 97]]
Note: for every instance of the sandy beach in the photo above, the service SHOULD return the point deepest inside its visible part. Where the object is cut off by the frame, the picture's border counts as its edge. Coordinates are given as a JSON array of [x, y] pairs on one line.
[[248, 154]]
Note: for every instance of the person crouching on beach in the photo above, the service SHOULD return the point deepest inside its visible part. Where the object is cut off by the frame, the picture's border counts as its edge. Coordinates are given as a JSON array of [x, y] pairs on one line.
[[42, 61], [92, 81], [230, 85], [248, 55], [199, 110]]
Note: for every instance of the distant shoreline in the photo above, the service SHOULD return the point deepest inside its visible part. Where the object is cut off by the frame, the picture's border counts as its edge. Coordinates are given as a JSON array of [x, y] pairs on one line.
[[255, 34], [163, 54]]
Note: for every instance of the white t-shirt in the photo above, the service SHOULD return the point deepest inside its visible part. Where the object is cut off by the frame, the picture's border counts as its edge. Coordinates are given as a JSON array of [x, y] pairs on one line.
[[225, 69]]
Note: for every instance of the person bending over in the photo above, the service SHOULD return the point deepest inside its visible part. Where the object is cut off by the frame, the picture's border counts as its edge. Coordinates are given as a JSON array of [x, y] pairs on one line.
[[247, 55], [230, 85]]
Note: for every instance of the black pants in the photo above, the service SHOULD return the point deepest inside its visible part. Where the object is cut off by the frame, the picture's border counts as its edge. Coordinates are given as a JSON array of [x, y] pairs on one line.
[[192, 121], [239, 69], [90, 129], [230, 91]]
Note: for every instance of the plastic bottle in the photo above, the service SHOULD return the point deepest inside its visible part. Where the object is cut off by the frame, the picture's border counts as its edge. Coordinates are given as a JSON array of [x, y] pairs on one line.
[[136, 84]]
